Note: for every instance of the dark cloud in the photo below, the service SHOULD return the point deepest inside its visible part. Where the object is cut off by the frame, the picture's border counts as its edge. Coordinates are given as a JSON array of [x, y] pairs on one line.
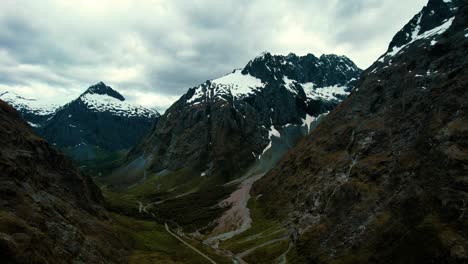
[[153, 50]]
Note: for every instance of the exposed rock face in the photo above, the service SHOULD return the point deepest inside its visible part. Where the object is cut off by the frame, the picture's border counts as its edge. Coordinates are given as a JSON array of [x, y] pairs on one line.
[[224, 125], [384, 177], [49, 212], [99, 117]]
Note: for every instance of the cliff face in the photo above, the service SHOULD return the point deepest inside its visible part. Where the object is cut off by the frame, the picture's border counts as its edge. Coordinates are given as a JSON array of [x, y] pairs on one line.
[[384, 177], [49, 212], [224, 125]]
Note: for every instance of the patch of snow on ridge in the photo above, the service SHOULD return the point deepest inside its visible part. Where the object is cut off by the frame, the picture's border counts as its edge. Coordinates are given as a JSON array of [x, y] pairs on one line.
[[197, 95], [237, 83], [289, 84], [33, 125], [105, 103], [417, 29], [416, 35], [308, 121], [324, 93], [28, 104], [271, 133]]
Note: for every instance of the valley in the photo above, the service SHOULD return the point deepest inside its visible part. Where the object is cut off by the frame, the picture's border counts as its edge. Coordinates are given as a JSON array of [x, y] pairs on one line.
[[290, 159]]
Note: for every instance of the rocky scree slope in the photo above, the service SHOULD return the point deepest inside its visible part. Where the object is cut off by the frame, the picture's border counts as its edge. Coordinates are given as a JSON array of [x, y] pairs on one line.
[[222, 126], [99, 117], [384, 177], [49, 212]]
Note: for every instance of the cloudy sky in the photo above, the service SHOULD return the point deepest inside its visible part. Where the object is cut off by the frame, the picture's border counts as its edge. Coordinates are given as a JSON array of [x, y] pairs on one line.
[[153, 50]]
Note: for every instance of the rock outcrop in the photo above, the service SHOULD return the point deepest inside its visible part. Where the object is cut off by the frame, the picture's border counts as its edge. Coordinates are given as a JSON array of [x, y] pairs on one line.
[[384, 177], [49, 212]]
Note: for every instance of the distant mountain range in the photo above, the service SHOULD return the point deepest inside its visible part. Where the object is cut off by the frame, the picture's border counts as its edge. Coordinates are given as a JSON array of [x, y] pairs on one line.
[[99, 118]]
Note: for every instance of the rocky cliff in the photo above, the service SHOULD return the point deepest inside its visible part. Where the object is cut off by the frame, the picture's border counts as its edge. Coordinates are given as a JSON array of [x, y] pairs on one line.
[[49, 212], [383, 179], [222, 126]]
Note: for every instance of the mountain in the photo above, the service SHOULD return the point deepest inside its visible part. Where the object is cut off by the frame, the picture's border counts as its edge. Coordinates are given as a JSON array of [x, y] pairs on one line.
[[99, 118], [33, 110], [223, 126], [383, 178], [49, 212], [229, 129], [96, 124]]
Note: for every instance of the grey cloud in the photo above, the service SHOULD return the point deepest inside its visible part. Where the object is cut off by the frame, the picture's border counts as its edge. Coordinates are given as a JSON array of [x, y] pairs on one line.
[[350, 8], [164, 47]]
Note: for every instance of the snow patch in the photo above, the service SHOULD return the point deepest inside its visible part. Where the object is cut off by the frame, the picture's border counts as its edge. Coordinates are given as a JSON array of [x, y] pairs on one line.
[[30, 105], [271, 133], [289, 84], [105, 103], [197, 95], [416, 35], [308, 121], [33, 125], [328, 93], [236, 84]]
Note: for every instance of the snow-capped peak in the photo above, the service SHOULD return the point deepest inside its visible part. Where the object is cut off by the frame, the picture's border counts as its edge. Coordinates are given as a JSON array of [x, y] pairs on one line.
[[235, 84], [102, 89], [435, 18], [102, 98], [29, 105], [328, 78]]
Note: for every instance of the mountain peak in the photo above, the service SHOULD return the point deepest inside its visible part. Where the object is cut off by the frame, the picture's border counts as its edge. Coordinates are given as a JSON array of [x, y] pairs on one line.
[[102, 89], [303, 69], [263, 55], [426, 27]]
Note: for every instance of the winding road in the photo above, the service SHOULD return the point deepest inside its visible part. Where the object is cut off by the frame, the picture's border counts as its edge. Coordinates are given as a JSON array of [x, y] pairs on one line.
[[188, 245]]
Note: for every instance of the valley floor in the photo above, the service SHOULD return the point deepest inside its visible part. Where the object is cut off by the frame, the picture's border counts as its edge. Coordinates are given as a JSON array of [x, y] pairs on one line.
[[242, 234]]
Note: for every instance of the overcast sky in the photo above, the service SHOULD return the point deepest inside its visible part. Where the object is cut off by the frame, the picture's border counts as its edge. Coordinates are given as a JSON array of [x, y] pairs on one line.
[[152, 51]]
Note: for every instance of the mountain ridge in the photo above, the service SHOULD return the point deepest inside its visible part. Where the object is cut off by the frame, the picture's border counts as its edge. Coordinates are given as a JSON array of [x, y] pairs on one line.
[[387, 186], [239, 89], [102, 89], [227, 129], [48, 210], [99, 117]]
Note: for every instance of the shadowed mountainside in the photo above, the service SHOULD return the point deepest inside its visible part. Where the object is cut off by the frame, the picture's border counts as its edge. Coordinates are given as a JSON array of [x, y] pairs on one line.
[[383, 179]]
